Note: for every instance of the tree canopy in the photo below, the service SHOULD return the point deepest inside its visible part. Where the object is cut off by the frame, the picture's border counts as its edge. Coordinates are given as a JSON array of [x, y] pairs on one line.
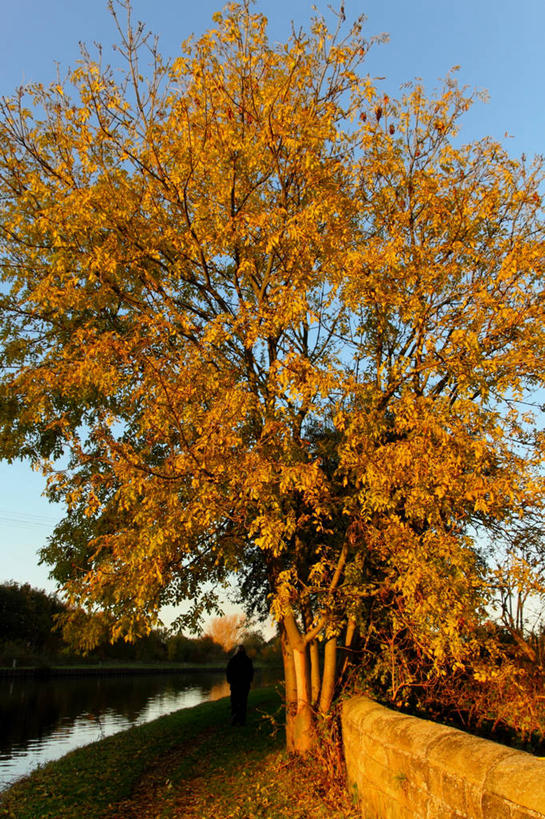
[[284, 328]]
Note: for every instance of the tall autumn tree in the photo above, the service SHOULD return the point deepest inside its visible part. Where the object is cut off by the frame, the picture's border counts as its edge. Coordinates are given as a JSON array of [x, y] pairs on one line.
[[283, 329]]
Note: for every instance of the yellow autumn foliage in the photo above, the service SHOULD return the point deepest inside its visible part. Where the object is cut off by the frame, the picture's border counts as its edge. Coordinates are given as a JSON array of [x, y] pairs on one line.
[[283, 328]]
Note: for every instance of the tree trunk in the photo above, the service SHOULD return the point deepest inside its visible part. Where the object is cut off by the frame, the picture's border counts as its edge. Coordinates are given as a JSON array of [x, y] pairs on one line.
[[290, 687], [329, 675], [315, 679], [301, 732], [350, 631]]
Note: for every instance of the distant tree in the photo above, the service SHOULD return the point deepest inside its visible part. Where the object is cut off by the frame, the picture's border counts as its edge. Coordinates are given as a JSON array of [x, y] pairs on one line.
[[271, 652], [28, 615], [227, 630], [253, 642], [179, 648], [518, 581]]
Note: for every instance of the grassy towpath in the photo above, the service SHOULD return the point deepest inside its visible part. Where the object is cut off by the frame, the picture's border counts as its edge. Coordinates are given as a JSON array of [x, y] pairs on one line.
[[191, 764]]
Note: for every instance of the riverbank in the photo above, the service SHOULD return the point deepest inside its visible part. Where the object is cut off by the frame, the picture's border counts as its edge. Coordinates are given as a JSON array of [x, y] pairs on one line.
[[191, 764], [121, 668], [110, 668]]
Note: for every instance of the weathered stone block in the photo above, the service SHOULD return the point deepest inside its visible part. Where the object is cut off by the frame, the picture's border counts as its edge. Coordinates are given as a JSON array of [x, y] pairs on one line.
[[412, 767], [494, 807], [464, 756], [524, 813], [407, 767], [519, 778], [375, 804], [437, 809]]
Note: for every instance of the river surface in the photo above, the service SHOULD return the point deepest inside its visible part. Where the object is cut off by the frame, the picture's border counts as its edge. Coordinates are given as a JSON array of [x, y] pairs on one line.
[[43, 719]]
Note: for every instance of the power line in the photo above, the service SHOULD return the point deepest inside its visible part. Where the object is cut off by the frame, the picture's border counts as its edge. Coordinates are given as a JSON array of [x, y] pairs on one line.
[[9, 518]]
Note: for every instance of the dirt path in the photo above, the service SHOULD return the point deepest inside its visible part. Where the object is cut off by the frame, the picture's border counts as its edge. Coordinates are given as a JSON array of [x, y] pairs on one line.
[[161, 786], [199, 780]]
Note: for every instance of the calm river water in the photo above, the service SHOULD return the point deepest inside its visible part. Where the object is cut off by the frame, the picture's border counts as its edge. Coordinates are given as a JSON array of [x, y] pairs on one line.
[[42, 719]]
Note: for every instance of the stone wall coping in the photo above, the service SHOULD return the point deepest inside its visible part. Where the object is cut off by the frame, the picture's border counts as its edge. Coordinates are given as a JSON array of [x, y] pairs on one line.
[[495, 769]]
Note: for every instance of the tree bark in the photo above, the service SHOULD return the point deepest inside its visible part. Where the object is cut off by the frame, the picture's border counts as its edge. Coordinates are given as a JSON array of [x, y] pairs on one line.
[[303, 738], [315, 679], [350, 631], [329, 675], [290, 688]]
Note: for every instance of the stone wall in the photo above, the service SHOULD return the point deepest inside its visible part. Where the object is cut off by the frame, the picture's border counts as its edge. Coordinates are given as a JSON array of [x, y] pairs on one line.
[[401, 767]]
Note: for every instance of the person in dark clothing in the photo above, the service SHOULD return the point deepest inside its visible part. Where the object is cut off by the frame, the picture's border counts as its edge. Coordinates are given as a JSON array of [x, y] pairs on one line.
[[240, 673]]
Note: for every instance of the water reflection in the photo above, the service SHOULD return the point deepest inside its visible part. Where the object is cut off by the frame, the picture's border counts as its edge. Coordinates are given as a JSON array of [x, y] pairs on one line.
[[41, 720]]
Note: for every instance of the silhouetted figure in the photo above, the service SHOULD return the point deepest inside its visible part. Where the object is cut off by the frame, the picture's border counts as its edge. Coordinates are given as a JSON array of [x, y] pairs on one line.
[[240, 673]]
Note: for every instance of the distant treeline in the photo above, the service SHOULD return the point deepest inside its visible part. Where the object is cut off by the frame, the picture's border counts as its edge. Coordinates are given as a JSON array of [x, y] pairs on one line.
[[28, 638]]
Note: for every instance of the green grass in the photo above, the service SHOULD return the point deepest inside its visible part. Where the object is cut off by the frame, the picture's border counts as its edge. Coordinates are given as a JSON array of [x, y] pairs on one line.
[[188, 764]]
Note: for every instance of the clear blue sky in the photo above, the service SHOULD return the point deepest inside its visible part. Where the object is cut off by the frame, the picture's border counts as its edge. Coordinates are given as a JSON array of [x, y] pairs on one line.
[[497, 43]]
